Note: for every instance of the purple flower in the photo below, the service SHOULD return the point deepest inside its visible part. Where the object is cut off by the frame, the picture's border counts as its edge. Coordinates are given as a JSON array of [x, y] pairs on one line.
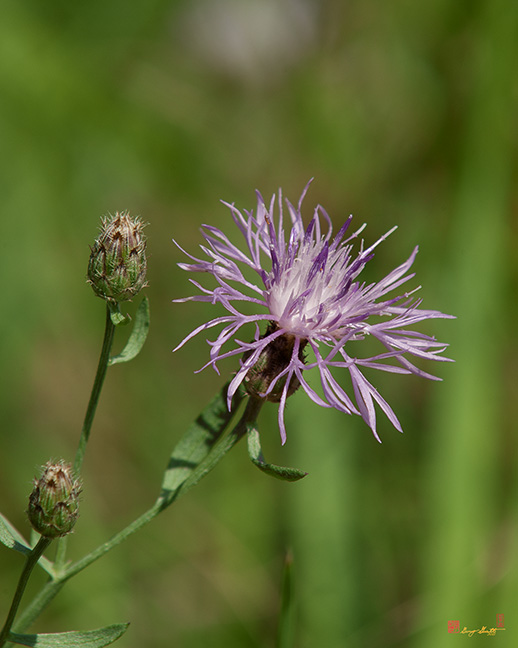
[[307, 290]]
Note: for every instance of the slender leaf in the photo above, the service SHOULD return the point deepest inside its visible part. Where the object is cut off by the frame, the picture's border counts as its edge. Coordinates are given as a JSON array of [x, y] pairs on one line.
[[82, 639], [256, 455], [138, 335], [12, 538], [198, 441]]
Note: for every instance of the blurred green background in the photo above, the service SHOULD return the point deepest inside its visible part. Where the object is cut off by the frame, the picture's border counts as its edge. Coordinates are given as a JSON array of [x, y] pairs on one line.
[[405, 113]]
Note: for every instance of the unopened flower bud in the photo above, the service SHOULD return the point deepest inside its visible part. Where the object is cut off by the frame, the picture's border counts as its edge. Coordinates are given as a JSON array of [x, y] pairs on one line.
[[274, 359], [54, 501], [117, 265]]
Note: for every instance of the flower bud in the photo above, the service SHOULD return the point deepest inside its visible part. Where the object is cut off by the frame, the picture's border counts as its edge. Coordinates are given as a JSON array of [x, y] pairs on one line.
[[54, 501], [117, 265], [274, 359]]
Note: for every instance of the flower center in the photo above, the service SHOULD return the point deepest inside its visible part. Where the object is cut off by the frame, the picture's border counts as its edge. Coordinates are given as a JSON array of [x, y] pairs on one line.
[[303, 297]]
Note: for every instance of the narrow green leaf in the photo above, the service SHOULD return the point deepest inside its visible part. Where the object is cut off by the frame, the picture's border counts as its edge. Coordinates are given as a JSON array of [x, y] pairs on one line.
[[12, 538], [138, 335], [286, 627], [116, 316], [82, 639], [198, 441], [256, 455]]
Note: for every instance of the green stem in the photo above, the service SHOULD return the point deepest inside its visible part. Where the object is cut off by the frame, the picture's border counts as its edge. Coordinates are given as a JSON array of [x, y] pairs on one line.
[[204, 467], [32, 559], [100, 375], [96, 391], [218, 452], [38, 604], [97, 553]]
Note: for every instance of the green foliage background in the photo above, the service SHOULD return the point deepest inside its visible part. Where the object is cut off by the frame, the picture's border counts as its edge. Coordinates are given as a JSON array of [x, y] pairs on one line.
[[404, 113]]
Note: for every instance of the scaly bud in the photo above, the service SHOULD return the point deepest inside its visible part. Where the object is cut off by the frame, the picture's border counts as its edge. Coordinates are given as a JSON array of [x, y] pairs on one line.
[[117, 265], [274, 359], [54, 501]]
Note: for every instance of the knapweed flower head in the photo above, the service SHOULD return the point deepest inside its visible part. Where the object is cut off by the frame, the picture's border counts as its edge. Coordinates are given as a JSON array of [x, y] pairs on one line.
[[54, 501], [308, 292], [117, 264]]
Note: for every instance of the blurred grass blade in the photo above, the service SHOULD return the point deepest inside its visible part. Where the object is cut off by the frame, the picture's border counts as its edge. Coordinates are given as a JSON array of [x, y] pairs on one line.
[[198, 441], [286, 628], [13, 539], [82, 639], [256, 455], [138, 335], [465, 462]]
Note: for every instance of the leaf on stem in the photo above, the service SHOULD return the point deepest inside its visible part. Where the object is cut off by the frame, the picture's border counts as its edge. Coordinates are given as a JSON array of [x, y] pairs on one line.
[[13, 539], [116, 316], [82, 639], [256, 455], [198, 441], [138, 335]]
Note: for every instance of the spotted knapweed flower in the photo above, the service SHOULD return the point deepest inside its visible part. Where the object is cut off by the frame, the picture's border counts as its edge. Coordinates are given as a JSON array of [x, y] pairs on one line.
[[308, 292]]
